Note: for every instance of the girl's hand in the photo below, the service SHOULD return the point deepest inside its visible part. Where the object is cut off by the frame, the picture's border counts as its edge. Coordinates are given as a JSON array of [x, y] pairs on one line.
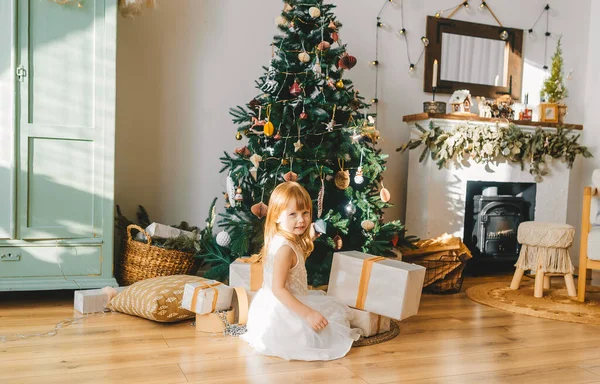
[[316, 321]]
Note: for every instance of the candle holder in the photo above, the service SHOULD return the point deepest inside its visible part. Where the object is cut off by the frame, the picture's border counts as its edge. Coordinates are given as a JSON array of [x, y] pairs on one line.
[[434, 107]]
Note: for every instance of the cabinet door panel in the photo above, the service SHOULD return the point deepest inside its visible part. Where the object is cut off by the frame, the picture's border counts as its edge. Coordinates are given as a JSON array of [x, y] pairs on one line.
[[7, 127], [62, 132]]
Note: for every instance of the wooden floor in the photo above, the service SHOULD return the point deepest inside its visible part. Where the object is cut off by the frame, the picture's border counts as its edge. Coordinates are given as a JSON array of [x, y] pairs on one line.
[[452, 340]]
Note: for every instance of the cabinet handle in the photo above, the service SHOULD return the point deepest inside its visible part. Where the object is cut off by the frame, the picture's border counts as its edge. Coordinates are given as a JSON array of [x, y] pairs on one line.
[[10, 257], [21, 73]]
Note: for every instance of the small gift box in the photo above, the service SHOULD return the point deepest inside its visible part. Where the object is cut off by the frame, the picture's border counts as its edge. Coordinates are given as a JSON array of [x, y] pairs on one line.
[[163, 231], [246, 272], [376, 284], [369, 323], [93, 300], [206, 297], [238, 314]]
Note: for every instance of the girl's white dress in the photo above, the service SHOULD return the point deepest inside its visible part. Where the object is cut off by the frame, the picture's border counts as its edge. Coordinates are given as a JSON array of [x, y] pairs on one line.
[[274, 330]]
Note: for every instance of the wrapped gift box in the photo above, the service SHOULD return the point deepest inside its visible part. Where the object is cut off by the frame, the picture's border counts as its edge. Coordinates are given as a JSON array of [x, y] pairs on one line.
[[238, 314], [92, 300], [380, 285], [369, 323], [246, 272], [206, 296], [163, 231]]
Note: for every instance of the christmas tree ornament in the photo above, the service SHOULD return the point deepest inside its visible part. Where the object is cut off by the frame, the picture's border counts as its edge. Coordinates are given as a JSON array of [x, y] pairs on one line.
[[330, 82], [223, 239], [321, 226], [238, 194], [350, 209], [338, 243], [285, 161], [242, 151], [255, 160], [238, 135], [259, 210], [254, 104], [323, 46], [395, 239], [293, 28], [303, 116], [270, 86], [304, 57], [269, 129], [321, 195], [347, 61], [332, 25], [358, 178], [277, 136], [290, 176], [230, 186], [287, 7], [316, 68], [298, 145], [295, 89], [281, 21], [384, 194], [314, 12], [335, 37], [339, 84], [367, 225], [342, 179], [253, 172]]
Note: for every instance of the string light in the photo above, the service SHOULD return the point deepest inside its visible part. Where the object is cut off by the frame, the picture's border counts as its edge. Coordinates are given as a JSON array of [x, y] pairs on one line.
[[483, 5], [411, 68], [466, 4], [425, 41], [547, 34], [375, 62], [402, 31]]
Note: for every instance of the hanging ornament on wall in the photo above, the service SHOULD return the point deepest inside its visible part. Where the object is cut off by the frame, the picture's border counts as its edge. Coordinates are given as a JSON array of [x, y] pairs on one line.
[[347, 61], [290, 176], [304, 57], [338, 243], [295, 89], [230, 187], [259, 210], [314, 12], [255, 160], [384, 194], [223, 239]]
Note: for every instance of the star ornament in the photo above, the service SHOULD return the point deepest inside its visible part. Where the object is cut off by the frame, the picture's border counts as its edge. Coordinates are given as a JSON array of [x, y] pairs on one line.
[[298, 145]]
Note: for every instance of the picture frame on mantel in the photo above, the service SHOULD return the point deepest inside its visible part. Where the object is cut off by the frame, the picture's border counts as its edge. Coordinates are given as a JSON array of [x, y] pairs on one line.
[[548, 113], [507, 82]]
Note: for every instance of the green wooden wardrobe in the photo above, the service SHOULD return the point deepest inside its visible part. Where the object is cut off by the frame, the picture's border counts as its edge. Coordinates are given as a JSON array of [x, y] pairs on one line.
[[57, 143]]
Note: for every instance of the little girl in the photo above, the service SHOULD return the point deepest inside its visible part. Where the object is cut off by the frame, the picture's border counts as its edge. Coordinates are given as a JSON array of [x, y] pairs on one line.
[[286, 319]]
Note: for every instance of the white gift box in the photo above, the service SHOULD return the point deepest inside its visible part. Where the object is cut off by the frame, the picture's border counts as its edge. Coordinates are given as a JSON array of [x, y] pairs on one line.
[[392, 289], [199, 297], [369, 323], [246, 274], [92, 300], [163, 231]]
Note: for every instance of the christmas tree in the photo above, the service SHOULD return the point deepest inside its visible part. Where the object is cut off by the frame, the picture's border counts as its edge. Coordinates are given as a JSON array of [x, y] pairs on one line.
[[554, 90], [308, 124]]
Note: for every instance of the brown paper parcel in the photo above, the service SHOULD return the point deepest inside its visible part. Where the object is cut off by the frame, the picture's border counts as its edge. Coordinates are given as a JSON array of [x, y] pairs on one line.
[[369, 323], [246, 272], [390, 287]]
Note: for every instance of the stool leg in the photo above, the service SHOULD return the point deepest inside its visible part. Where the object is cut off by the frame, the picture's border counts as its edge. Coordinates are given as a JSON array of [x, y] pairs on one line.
[[539, 284], [570, 285], [546, 282], [516, 280]]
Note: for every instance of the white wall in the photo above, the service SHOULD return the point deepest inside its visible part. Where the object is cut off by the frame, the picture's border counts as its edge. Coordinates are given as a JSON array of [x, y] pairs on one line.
[[181, 67]]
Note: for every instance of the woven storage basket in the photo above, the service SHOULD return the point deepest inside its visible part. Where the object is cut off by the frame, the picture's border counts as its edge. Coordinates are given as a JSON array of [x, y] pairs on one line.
[[142, 261]]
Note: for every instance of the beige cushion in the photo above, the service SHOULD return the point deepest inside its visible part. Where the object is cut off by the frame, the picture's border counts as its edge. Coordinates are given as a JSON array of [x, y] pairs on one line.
[[594, 244], [157, 299], [546, 235]]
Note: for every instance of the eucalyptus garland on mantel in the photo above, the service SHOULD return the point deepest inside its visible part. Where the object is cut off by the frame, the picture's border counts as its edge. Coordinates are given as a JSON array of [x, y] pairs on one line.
[[484, 144]]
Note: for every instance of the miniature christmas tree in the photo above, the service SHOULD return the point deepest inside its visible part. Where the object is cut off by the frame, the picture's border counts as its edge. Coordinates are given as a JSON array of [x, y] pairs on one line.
[[554, 90], [308, 124]]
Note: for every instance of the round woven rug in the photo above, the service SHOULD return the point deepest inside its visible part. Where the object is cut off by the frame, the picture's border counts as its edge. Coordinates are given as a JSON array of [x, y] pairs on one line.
[[385, 336], [555, 304]]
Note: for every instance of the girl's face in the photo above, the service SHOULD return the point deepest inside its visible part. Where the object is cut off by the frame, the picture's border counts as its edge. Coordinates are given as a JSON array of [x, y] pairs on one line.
[[294, 220]]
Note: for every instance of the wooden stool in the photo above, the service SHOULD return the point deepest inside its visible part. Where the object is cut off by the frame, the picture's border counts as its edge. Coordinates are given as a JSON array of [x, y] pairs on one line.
[[545, 250]]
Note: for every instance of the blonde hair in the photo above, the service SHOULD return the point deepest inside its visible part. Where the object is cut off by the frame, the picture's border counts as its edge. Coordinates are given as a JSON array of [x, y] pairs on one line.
[[283, 195]]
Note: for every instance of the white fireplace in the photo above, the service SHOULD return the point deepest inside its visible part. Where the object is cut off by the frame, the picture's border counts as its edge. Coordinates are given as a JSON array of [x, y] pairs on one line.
[[436, 197]]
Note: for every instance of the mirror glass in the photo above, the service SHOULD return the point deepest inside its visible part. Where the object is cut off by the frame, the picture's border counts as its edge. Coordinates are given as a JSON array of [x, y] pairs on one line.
[[474, 60]]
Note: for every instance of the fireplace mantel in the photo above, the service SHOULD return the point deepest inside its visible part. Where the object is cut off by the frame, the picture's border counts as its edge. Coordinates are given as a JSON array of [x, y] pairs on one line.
[[446, 120]]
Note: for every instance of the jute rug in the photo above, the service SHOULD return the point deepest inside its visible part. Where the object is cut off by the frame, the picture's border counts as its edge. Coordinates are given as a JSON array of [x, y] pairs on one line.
[[555, 304]]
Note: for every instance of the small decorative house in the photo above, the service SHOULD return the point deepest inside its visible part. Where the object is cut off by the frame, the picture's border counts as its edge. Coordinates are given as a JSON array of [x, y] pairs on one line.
[[460, 102]]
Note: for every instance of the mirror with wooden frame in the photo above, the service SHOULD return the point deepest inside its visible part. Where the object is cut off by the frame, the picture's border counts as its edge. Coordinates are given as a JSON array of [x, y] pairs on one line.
[[485, 59]]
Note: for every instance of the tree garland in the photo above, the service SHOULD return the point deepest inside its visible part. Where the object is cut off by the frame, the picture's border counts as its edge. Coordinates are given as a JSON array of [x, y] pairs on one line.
[[486, 145]]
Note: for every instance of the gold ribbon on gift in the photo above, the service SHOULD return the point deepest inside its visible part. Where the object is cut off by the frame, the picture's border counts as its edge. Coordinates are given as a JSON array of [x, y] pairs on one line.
[[365, 276], [378, 324], [202, 287], [256, 271]]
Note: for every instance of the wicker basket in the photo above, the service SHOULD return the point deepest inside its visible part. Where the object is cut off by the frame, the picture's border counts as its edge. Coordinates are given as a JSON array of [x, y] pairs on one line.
[[142, 261]]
